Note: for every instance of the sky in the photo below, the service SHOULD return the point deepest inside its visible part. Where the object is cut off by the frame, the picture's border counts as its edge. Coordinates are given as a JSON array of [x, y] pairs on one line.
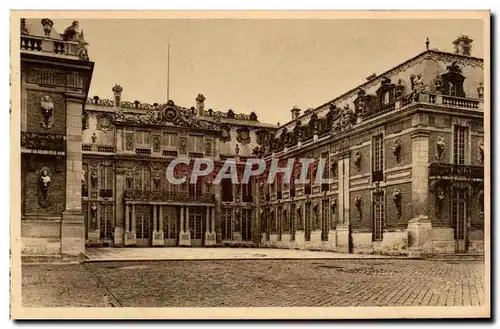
[[266, 66]]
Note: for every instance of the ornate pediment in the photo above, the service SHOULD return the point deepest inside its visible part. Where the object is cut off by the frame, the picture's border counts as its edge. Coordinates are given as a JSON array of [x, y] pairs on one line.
[[167, 114]]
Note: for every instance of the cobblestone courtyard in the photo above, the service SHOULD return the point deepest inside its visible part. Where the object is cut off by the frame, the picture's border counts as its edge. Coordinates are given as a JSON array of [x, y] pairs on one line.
[[260, 283]]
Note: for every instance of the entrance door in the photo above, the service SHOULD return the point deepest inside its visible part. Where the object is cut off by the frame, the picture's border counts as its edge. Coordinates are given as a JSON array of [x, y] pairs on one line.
[[171, 225], [143, 215], [196, 226], [459, 219]]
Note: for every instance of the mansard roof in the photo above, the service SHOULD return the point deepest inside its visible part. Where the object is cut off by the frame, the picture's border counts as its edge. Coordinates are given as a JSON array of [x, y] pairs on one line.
[[428, 54]]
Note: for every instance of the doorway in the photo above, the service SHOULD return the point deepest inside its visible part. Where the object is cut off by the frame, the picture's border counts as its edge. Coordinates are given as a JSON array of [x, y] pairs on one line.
[[143, 216], [196, 225]]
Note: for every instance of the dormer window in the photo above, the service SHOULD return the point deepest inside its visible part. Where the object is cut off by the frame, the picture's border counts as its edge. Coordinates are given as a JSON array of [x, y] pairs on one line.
[[453, 81]]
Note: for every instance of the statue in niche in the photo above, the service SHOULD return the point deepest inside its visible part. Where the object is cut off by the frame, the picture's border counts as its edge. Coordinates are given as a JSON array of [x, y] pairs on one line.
[[45, 180], [47, 106]]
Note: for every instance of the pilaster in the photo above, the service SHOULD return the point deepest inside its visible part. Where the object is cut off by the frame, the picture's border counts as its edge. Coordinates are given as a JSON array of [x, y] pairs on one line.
[[420, 227], [72, 224]]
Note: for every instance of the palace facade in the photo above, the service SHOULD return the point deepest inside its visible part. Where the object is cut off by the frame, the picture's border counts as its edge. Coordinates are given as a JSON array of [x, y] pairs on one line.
[[404, 152]]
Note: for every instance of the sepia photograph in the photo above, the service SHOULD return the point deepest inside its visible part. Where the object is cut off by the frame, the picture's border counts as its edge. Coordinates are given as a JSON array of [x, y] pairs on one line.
[[250, 164]]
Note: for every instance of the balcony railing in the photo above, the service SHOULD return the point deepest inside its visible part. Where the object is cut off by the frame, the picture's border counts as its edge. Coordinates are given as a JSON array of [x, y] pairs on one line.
[[45, 142], [425, 97], [139, 195], [453, 171], [47, 45], [143, 151], [109, 149]]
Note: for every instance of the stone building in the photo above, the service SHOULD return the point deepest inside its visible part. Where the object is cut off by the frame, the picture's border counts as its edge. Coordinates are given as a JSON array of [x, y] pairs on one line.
[[127, 199], [405, 154], [55, 79], [404, 151]]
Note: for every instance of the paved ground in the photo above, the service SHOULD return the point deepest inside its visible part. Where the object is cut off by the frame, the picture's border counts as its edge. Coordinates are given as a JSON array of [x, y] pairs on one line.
[[132, 254], [247, 283]]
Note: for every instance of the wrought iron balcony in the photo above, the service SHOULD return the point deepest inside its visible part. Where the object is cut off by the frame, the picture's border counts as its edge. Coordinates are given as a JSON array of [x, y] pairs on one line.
[[139, 195], [44, 142], [453, 171]]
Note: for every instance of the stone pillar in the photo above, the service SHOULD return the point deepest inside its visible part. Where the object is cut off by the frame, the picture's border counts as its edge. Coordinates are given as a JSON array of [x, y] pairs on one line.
[[213, 220], [127, 218], [134, 226], [185, 235], [209, 232], [420, 227], [157, 233], [72, 224], [119, 217], [343, 226]]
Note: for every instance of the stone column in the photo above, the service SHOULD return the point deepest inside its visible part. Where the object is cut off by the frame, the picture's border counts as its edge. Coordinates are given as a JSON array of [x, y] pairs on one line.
[[134, 226], [119, 217], [343, 227], [420, 227], [209, 232], [160, 229], [213, 220], [157, 222], [127, 218], [185, 236], [72, 224]]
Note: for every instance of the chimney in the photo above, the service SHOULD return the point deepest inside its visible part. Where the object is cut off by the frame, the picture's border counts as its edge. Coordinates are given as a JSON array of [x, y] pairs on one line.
[[463, 45], [295, 112], [200, 104], [117, 95]]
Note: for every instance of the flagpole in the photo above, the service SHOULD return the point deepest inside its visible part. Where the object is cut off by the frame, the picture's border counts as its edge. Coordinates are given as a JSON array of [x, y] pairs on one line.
[[168, 69]]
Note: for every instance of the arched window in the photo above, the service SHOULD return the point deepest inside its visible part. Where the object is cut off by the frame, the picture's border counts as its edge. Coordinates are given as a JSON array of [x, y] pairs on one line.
[[142, 180]]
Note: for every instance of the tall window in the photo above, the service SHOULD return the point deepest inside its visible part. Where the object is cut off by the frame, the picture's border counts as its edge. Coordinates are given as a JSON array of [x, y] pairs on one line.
[[227, 230], [378, 158], [169, 223], [386, 97], [196, 143], [142, 178], [307, 223], [227, 189], [459, 143], [378, 216], [170, 140], [246, 225], [247, 192], [106, 181], [106, 221], [195, 189], [143, 138]]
